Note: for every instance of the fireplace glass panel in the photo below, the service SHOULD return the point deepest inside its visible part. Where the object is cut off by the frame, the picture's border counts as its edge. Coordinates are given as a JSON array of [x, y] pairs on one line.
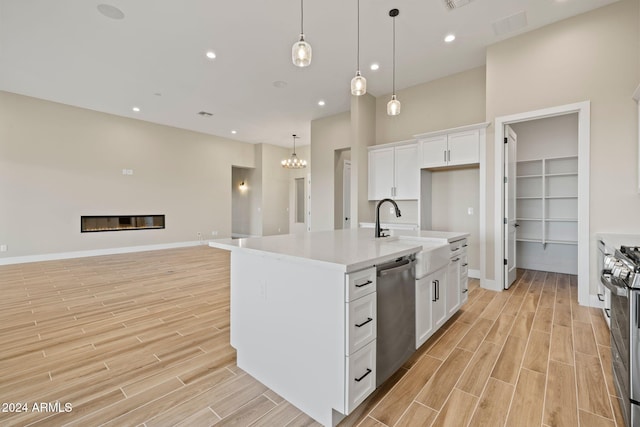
[[92, 224]]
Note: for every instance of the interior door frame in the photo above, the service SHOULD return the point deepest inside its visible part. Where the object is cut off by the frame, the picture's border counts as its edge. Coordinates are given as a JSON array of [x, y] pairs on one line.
[[346, 200], [510, 181], [584, 141]]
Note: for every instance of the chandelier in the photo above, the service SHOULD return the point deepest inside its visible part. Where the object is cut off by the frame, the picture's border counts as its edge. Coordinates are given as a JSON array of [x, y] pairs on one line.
[[294, 162]]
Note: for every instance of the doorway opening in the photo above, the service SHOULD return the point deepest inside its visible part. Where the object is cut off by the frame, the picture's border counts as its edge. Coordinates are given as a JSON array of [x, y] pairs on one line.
[[542, 191], [342, 189]]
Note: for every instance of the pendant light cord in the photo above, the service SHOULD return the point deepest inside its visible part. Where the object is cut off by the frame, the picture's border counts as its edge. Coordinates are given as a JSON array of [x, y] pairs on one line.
[[301, 16], [358, 38], [394, 55]]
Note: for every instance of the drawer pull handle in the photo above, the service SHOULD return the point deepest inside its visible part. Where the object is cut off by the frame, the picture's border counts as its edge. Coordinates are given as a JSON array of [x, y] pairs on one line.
[[362, 377], [465, 291], [369, 319], [607, 312], [465, 264], [368, 282], [455, 260], [600, 297], [464, 246], [456, 249]]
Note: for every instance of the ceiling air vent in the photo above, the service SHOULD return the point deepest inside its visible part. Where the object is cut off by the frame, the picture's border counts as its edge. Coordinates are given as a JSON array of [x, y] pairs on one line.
[[454, 4], [205, 114], [510, 24]]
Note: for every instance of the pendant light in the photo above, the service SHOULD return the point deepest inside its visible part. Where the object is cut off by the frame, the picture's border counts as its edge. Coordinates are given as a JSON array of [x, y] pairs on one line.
[[393, 107], [358, 83], [293, 162], [301, 50]]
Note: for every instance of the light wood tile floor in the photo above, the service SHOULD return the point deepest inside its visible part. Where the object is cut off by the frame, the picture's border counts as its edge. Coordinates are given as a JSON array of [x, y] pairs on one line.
[[143, 339]]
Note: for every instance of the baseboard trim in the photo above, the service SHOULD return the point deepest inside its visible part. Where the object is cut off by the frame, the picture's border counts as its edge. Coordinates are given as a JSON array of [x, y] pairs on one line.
[[490, 284], [96, 252], [474, 274]]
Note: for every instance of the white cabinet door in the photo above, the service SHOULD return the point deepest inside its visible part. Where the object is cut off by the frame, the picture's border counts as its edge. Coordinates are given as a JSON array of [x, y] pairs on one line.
[[453, 286], [381, 171], [438, 281], [425, 291], [407, 173], [433, 152], [463, 147]]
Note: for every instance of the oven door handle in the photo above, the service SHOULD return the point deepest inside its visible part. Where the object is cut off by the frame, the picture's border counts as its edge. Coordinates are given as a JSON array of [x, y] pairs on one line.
[[615, 289]]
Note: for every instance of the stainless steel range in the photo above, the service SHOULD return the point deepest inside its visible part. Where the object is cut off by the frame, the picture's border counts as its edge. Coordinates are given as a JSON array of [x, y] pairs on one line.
[[621, 274]]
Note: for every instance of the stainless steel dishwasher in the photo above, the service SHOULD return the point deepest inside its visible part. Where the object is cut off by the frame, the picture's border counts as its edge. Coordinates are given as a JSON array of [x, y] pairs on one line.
[[396, 303]]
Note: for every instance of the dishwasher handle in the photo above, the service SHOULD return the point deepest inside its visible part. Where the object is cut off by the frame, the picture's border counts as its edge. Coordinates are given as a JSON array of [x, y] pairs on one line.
[[399, 267]]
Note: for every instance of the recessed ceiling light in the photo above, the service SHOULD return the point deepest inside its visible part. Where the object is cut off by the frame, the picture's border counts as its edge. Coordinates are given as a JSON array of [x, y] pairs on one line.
[[234, 131], [449, 38], [280, 84], [111, 12], [375, 66], [321, 103], [211, 54], [136, 109]]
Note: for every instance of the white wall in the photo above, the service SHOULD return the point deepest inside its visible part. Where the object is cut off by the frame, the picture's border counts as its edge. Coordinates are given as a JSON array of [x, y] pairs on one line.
[[593, 56], [340, 157], [59, 162]]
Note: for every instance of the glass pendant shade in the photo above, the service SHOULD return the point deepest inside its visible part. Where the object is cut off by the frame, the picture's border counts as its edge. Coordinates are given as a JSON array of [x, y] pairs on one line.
[[301, 53], [358, 85], [393, 106]]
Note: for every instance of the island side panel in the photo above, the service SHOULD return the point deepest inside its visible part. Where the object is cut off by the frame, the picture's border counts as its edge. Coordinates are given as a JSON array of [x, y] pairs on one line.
[[288, 327]]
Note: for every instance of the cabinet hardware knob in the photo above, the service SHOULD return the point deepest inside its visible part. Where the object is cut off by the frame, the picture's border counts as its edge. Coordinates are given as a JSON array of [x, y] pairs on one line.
[[362, 377], [465, 264], [464, 291], [464, 246], [455, 260], [369, 319], [368, 282]]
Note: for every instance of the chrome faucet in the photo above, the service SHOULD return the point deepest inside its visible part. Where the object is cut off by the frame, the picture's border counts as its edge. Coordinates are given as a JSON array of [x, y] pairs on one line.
[[378, 229]]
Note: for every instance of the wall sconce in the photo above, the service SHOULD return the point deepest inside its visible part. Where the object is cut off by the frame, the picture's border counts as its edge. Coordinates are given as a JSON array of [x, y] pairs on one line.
[[243, 186]]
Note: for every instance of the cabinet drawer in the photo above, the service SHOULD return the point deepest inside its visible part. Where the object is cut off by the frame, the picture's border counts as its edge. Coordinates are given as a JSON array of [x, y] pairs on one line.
[[458, 247], [464, 265], [361, 376], [360, 283], [361, 322]]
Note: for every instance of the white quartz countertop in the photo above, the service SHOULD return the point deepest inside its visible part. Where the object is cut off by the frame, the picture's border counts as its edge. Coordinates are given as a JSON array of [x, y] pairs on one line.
[[346, 250], [412, 230]]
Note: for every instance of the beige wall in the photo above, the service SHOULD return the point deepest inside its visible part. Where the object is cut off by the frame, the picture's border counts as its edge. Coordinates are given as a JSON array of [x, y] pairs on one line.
[[241, 201], [451, 101], [59, 162], [453, 192], [593, 57], [340, 157], [363, 134], [275, 190], [327, 135]]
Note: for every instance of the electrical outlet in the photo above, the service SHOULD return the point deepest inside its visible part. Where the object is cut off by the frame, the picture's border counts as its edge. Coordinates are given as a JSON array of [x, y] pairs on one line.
[[470, 211], [3, 248], [214, 233], [199, 235]]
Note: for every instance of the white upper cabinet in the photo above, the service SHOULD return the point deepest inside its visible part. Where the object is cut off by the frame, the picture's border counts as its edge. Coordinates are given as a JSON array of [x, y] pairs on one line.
[[394, 171], [451, 147]]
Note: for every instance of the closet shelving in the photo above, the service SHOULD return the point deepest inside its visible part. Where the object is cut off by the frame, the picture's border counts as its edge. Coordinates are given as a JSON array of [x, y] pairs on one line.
[[547, 200]]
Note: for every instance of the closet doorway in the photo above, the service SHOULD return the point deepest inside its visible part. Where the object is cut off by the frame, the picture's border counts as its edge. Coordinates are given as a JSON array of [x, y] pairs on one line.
[[548, 212]]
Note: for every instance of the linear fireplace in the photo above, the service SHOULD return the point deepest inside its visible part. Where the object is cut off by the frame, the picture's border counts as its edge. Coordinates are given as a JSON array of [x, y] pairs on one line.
[[92, 224]]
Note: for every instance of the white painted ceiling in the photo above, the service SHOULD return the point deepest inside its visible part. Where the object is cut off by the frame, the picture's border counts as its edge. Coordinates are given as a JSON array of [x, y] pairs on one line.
[[154, 58]]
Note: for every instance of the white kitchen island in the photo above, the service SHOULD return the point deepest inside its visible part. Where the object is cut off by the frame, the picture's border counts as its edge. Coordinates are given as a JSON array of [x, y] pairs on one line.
[[294, 300]]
